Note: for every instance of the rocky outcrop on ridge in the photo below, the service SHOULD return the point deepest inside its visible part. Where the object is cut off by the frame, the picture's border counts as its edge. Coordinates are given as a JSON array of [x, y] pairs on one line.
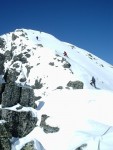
[[16, 123], [15, 88]]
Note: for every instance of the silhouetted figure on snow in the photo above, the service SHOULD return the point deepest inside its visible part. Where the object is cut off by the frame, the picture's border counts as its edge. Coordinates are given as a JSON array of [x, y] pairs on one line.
[[93, 82], [65, 54], [37, 37]]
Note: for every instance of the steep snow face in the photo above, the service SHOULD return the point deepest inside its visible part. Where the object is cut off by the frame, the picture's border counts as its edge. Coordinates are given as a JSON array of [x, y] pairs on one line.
[[44, 54]]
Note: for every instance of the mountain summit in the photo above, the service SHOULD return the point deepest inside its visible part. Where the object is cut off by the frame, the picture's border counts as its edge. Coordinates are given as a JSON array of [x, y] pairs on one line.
[[33, 54], [48, 97]]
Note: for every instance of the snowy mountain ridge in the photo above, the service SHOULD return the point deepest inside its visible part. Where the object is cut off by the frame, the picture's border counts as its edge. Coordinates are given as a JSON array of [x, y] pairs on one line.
[[48, 46], [64, 98]]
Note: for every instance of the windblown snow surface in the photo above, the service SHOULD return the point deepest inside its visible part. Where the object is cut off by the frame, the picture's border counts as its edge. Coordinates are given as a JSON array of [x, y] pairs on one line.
[[83, 116]]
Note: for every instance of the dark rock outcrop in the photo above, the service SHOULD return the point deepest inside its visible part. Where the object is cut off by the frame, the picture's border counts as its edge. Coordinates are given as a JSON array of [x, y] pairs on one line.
[[38, 84], [20, 123], [5, 144], [67, 65], [5, 136], [14, 37], [12, 75], [14, 94], [2, 87], [27, 98], [2, 43], [2, 58], [4, 130], [8, 55], [47, 128], [11, 95], [28, 146], [75, 84], [60, 87], [21, 58], [32, 145]]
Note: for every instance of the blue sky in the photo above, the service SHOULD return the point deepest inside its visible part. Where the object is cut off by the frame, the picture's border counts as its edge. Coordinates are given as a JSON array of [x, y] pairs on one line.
[[87, 24]]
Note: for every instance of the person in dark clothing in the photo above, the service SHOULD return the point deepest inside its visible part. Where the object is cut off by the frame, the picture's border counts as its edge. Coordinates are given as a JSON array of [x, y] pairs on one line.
[[37, 37], [65, 53], [93, 82]]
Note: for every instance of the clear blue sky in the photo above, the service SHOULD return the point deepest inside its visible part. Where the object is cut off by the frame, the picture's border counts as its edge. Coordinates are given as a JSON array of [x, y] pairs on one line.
[[87, 24]]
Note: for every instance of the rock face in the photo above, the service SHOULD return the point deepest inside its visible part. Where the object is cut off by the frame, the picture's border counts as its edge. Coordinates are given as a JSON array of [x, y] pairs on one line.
[[14, 94], [27, 97], [31, 146], [5, 136], [18, 83], [11, 95], [20, 123], [2, 43], [47, 128], [75, 84], [2, 58]]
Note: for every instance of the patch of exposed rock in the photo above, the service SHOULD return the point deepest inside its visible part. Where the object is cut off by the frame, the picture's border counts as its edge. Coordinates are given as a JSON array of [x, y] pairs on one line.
[[20, 123], [5, 136], [75, 84], [47, 128]]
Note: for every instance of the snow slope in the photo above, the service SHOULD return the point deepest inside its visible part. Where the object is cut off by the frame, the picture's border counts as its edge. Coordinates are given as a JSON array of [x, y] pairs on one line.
[[83, 116]]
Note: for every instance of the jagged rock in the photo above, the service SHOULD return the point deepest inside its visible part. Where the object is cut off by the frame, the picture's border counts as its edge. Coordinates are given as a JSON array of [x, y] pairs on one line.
[[5, 135], [38, 84], [47, 128], [28, 69], [8, 55], [28, 146], [2, 59], [40, 45], [20, 123], [27, 97], [2, 43], [21, 58], [16, 65], [32, 146], [22, 79], [5, 144], [14, 94], [60, 87], [51, 63], [13, 47], [11, 95], [12, 75], [27, 55], [1, 91], [14, 37], [4, 130], [75, 84], [67, 65]]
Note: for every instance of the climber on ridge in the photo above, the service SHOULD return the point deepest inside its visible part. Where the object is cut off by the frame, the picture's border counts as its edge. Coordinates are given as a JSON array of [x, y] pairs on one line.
[[93, 82], [65, 54]]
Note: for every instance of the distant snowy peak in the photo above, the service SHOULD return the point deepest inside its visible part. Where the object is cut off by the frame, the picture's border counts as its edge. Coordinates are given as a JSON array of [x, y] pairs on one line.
[[36, 57]]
